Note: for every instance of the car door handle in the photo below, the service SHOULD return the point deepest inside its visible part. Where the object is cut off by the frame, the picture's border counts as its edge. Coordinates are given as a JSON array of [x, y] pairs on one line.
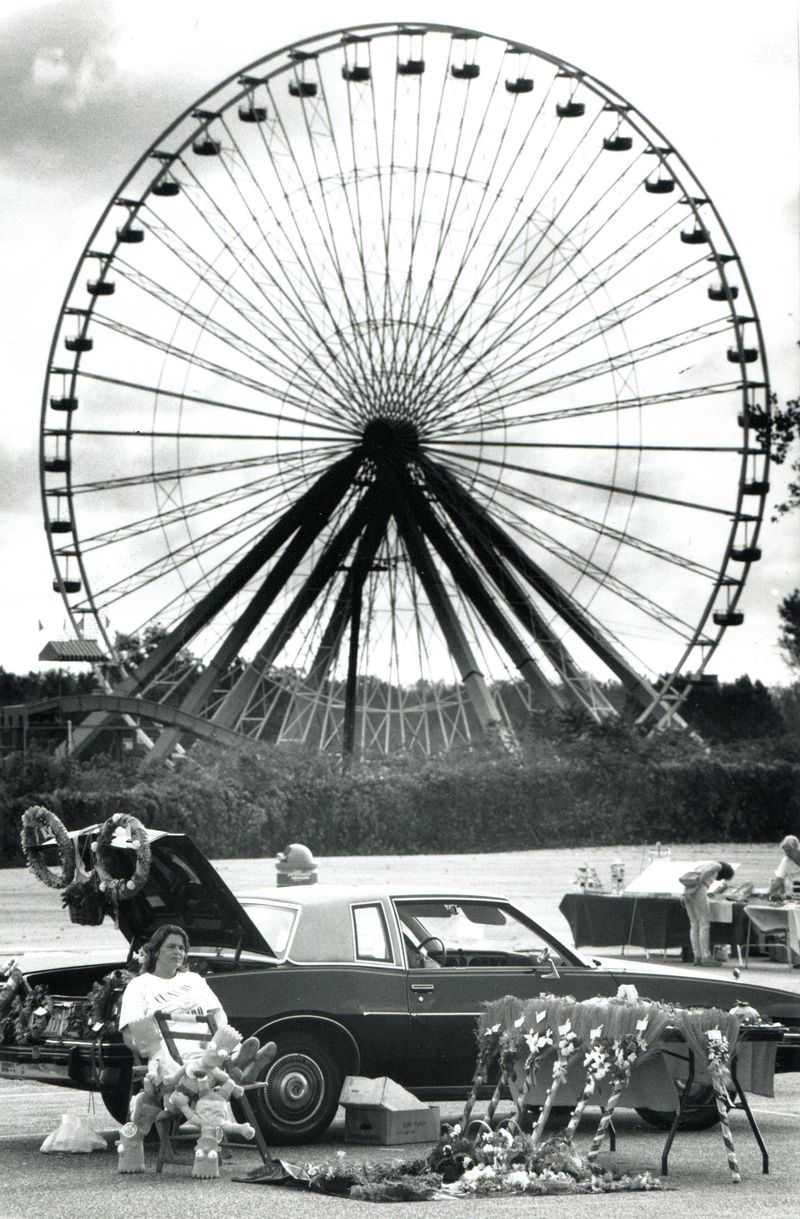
[[422, 986]]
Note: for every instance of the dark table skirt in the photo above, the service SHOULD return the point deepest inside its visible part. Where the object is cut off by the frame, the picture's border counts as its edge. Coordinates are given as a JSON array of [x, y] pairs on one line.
[[658, 923]]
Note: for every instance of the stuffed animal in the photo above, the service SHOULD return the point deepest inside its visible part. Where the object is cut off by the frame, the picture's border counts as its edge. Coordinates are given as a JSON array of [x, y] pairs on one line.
[[147, 1106], [212, 1119], [199, 1091]]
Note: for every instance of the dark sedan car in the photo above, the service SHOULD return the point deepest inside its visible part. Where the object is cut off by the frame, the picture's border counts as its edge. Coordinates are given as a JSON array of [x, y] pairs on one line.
[[371, 980]]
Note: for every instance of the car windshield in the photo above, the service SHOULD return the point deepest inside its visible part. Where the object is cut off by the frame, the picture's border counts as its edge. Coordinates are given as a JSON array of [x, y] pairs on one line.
[[476, 926], [274, 921]]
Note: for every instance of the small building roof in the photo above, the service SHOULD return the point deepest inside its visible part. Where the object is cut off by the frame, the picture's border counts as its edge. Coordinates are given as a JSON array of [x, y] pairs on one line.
[[72, 650]]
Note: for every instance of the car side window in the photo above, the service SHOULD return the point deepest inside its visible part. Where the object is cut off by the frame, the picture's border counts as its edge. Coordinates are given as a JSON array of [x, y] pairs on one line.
[[371, 934]]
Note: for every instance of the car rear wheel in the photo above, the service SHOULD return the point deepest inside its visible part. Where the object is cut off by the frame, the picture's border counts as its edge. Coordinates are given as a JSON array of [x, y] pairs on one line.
[[303, 1083], [115, 1100], [700, 1113]]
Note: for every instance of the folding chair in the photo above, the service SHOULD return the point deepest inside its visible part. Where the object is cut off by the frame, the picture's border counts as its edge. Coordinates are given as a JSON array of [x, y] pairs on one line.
[[169, 1129]]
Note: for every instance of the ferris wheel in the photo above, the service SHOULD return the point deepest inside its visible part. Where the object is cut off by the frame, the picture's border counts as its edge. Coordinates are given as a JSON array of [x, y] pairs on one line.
[[410, 379]]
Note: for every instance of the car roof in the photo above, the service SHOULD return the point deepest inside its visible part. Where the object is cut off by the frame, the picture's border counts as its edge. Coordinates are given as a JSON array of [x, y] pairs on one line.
[[324, 894]]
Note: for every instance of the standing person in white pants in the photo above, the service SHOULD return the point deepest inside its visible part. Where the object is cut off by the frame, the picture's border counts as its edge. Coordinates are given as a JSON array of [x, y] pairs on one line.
[[695, 898]]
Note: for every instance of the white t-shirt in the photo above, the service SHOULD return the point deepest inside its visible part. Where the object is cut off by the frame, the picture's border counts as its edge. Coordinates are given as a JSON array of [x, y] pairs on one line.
[[789, 872], [181, 997]]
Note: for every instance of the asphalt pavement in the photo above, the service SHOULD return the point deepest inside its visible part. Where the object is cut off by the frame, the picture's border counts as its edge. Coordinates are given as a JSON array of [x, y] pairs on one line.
[[87, 1186]]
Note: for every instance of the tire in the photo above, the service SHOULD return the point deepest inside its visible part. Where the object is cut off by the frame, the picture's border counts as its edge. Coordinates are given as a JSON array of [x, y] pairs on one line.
[[700, 1113], [303, 1083]]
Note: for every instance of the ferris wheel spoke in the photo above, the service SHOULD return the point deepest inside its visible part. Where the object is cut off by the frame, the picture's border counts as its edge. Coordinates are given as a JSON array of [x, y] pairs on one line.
[[359, 355], [525, 272], [241, 528], [460, 175], [156, 476], [604, 579], [616, 363], [637, 492], [456, 430], [600, 326], [484, 213], [198, 400], [189, 509], [506, 244], [188, 357], [298, 251], [358, 229], [517, 326], [282, 375]]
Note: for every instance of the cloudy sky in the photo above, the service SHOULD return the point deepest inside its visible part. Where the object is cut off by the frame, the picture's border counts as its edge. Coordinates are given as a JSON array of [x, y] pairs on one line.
[[87, 85]]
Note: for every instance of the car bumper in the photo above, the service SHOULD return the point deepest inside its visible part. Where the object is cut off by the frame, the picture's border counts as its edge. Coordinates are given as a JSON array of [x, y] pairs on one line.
[[81, 1065]]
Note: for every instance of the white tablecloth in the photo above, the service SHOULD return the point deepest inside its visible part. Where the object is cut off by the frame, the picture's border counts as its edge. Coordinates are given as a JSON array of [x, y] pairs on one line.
[[777, 916]]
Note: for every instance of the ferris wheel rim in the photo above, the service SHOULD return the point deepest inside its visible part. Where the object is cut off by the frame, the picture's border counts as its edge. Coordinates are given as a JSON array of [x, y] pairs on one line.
[[386, 30]]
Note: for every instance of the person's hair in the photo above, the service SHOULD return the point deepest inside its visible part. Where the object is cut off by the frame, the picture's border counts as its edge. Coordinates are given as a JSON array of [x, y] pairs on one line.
[[791, 841], [725, 872], [151, 949]]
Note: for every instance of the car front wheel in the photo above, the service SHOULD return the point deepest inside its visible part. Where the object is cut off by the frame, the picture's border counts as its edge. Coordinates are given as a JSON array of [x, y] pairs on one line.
[[700, 1112], [301, 1092]]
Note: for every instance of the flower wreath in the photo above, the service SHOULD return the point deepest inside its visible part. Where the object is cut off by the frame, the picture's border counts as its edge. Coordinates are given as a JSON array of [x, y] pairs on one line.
[[121, 890], [35, 819]]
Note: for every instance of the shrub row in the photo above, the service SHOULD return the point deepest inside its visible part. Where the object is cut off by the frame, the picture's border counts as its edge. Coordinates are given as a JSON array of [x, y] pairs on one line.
[[254, 801]]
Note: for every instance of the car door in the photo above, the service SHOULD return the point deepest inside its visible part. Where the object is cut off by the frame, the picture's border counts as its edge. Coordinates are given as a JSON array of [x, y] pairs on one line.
[[497, 957]]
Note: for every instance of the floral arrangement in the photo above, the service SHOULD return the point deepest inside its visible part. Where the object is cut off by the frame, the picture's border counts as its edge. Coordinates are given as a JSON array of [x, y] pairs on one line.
[[30, 1014], [497, 1162], [502, 1162]]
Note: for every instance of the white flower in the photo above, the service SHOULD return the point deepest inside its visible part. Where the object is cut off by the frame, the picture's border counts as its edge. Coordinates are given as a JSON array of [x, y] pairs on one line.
[[519, 1023], [597, 1033], [518, 1179]]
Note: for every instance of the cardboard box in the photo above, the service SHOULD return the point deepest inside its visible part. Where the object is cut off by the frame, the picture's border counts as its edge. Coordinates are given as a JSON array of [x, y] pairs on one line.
[[379, 1111]]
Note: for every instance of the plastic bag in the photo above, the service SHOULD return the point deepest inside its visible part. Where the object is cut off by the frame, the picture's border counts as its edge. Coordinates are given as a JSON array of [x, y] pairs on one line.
[[75, 1132]]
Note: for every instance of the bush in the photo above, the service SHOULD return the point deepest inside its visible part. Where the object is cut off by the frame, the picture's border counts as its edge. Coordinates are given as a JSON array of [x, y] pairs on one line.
[[254, 800]]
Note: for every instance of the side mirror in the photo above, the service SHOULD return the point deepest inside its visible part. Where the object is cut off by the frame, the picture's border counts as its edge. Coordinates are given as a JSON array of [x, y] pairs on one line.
[[546, 959]]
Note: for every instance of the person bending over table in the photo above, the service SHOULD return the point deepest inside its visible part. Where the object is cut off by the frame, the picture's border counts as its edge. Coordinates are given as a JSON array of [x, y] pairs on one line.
[[695, 898], [786, 877], [166, 985]]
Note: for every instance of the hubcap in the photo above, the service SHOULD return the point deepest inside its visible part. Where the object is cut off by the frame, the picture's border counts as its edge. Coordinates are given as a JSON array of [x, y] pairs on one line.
[[295, 1088]]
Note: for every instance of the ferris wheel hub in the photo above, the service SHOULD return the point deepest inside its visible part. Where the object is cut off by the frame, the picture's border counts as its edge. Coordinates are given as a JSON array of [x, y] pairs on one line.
[[384, 437]]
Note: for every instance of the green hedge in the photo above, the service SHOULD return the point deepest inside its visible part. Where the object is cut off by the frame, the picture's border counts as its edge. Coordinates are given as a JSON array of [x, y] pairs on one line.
[[253, 801]]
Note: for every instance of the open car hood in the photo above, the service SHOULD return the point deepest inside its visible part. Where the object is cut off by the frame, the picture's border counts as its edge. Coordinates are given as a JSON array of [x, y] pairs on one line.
[[183, 887]]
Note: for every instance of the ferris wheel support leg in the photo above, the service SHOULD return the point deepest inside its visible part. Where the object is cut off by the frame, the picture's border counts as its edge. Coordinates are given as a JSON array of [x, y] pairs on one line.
[[586, 630], [471, 585], [334, 553], [337, 475], [365, 553], [474, 682], [273, 584], [576, 685]]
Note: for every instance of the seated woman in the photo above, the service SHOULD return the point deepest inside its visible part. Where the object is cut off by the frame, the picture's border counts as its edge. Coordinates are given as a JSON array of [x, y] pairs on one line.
[[166, 985], [785, 881]]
